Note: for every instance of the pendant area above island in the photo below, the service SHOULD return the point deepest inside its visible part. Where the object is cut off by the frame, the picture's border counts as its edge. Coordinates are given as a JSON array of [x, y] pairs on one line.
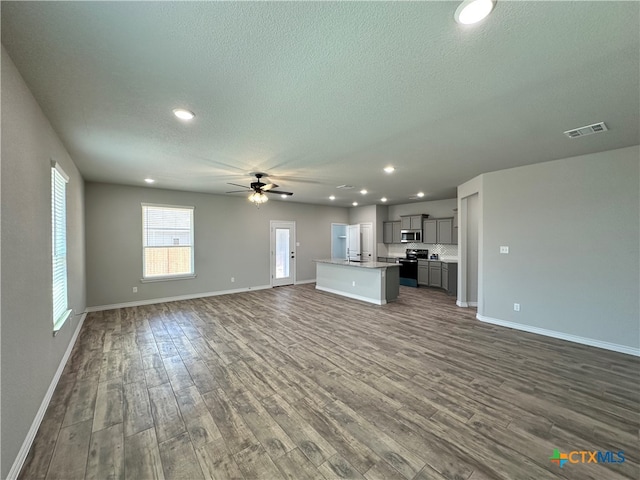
[[373, 282]]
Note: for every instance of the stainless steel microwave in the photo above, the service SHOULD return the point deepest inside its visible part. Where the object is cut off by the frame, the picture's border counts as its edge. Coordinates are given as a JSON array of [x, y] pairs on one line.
[[411, 236]]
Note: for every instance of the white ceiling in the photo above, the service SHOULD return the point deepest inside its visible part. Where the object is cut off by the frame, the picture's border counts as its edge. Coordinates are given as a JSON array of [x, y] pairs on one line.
[[320, 94]]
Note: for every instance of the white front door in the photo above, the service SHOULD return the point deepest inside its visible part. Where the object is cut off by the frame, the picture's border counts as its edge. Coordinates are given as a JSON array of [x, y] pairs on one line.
[[283, 253]]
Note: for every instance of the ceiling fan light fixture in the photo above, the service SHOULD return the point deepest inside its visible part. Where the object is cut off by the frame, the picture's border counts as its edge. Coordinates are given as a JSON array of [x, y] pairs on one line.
[[473, 11], [183, 114], [258, 198]]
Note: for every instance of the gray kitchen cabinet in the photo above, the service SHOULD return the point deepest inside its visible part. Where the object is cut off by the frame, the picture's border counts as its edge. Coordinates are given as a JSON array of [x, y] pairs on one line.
[[391, 232], [435, 274], [450, 278], [423, 272], [430, 231], [411, 222], [445, 230], [397, 236], [439, 231]]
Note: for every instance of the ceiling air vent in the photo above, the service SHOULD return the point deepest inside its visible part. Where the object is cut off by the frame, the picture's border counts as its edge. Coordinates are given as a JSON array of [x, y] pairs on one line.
[[588, 130]]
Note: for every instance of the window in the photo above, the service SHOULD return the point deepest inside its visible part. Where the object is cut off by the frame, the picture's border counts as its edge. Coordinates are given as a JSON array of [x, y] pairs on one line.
[[59, 245], [167, 241]]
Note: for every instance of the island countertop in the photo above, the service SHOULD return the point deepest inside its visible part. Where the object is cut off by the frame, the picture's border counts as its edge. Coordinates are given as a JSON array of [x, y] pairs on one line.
[[347, 263]]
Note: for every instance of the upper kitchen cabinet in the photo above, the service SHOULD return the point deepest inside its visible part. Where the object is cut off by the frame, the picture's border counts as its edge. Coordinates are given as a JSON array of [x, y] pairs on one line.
[[391, 232], [411, 222], [439, 230], [430, 231], [445, 230]]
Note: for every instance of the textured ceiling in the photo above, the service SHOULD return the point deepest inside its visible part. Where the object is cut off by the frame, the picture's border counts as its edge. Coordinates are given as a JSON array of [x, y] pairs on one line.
[[320, 94]]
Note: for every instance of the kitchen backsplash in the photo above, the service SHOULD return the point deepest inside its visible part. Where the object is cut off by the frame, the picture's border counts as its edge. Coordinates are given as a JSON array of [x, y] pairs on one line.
[[398, 250]]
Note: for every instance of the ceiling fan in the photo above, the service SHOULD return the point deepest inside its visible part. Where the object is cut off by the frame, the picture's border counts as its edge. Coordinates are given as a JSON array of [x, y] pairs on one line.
[[259, 189]]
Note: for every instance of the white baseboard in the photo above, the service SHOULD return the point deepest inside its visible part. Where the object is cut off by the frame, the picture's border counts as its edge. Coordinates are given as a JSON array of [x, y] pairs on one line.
[[190, 296], [562, 336], [302, 282], [466, 304], [352, 295], [35, 425]]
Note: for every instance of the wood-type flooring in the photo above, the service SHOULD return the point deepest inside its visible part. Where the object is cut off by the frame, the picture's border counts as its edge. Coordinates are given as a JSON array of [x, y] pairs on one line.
[[295, 383]]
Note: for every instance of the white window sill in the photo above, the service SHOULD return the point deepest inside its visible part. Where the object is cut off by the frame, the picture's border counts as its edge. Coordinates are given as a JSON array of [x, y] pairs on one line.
[[60, 322], [167, 279]]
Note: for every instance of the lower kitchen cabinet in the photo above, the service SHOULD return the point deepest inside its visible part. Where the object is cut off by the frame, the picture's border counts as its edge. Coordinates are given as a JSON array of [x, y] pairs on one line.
[[423, 272], [438, 274], [435, 274], [450, 278]]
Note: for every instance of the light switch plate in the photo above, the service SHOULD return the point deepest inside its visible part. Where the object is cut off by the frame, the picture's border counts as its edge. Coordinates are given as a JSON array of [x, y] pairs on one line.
[[504, 249]]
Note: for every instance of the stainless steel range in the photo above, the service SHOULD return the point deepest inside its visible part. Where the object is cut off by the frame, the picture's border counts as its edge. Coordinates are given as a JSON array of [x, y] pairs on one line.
[[409, 266]]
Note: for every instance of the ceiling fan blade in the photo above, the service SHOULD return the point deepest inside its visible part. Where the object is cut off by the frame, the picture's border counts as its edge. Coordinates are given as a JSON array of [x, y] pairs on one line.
[[235, 184], [279, 192], [269, 186], [238, 191]]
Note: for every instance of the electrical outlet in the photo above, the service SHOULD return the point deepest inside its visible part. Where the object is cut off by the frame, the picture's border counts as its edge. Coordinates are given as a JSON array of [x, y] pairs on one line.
[[353, 284], [504, 249], [233, 279], [135, 289], [516, 307]]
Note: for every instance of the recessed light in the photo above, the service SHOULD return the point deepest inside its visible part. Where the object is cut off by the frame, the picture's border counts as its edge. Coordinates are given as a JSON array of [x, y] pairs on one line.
[[149, 180], [355, 204], [363, 191], [389, 169], [383, 199], [284, 195], [420, 194], [183, 114], [472, 11], [332, 197]]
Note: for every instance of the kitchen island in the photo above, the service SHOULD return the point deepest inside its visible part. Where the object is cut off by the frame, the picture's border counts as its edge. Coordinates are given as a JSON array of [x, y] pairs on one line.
[[373, 282]]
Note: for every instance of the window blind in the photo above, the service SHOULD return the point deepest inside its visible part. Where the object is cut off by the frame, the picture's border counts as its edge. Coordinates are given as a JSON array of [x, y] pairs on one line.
[[167, 241], [59, 244]]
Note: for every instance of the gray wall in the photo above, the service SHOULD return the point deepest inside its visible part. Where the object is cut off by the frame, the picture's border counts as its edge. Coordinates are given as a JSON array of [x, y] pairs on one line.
[[434, 208], [231, 240], [30, 353], [572, 227], [382, 212]]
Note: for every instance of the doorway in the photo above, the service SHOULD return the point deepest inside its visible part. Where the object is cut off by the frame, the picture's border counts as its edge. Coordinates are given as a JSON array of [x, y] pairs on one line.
[[469, 287], [339, 241], [283, 253]]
